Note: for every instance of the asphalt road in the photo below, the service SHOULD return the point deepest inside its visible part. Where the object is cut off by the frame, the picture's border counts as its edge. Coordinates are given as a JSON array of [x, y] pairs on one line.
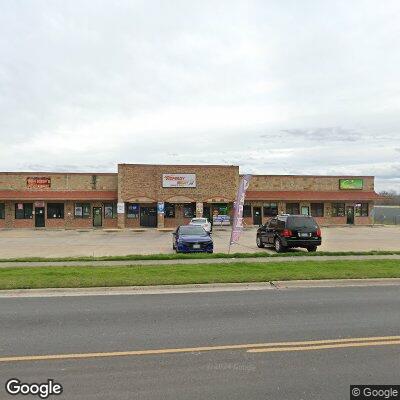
[[99, 324]]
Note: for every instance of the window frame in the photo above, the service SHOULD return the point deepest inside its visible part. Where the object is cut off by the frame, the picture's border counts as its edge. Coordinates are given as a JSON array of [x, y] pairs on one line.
[[292, 204], [25, 211], [113, 206], [268, 206], [335, 207], [135, 215], [83, 205], [48, 209], [168, 207], [318, 212], [191, 207], [247, 211]]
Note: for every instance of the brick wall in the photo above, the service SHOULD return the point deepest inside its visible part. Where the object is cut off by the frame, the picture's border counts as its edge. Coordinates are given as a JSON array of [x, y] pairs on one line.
[[68, 181], [136, 181], [307, 183]]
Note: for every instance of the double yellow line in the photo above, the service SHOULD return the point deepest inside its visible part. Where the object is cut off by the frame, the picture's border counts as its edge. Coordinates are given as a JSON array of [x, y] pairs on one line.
[[250, 348]]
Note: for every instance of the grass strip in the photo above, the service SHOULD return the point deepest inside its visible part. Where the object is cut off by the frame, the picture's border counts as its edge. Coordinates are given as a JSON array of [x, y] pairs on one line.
[[79, 277], [174, 256]]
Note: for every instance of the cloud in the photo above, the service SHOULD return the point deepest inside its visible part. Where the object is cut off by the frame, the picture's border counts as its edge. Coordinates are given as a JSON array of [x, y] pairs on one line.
[[272, 87]]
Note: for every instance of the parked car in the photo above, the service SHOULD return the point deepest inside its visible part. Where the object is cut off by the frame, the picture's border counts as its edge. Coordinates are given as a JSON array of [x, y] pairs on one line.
[[192, 238], [203, 222], [288, 231]]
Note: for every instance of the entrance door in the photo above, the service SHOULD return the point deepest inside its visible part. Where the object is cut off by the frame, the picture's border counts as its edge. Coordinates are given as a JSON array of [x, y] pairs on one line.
[[257, 220], [148, 217], [39, 217], [350, 214], [97, 217]]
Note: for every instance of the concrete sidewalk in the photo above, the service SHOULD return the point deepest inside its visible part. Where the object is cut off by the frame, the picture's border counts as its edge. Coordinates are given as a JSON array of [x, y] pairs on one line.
[[8, 264]]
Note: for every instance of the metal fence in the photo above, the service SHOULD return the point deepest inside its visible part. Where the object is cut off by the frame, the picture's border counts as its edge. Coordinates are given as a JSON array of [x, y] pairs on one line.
[[389, 215]]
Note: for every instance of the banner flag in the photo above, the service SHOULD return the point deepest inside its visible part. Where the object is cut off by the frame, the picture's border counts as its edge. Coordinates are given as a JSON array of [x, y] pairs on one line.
[[237, 226]]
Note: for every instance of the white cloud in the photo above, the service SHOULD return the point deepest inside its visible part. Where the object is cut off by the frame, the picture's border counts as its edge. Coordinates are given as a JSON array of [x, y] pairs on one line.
[[271, 86]]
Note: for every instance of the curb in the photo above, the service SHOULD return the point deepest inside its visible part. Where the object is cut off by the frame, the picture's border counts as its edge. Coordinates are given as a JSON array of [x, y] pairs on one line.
[[198, 288]]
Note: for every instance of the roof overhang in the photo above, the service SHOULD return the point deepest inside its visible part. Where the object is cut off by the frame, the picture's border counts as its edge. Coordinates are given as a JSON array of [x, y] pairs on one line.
[[58, 195], [355, 195]]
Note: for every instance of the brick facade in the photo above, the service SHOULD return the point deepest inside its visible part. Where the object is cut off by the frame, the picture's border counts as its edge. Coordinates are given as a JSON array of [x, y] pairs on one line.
[[140, 187]]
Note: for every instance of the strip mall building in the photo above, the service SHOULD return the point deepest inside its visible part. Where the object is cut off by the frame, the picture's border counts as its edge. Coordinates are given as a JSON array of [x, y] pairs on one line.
[[166, 196]]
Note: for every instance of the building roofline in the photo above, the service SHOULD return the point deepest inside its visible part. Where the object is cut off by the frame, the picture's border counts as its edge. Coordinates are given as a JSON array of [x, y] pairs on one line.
[[313, 176], [56, 173], [180, 165]]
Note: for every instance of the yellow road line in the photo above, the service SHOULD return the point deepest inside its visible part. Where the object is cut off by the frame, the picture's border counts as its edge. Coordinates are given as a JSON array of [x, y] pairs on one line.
[[324, 346], [263, 347]]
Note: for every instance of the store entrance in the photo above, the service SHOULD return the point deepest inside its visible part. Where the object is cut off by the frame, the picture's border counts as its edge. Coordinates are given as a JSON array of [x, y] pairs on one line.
[[39, 217], [97, 217], [257, 220], [148, 217], [350, 215]]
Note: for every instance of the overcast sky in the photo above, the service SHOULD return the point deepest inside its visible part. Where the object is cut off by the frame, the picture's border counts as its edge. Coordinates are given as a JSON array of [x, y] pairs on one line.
[[277, 87]]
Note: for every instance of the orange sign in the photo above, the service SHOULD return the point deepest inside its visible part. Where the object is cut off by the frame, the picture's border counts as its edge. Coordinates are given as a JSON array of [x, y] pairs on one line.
[[35, 182]]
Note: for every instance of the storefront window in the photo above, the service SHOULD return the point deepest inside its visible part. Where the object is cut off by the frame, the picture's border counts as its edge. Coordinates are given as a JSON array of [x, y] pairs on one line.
[[317, 209], [338, 210], [247, 210], [2, 211], [361, 210], [270, 209], [55, 210], [189, 210], [133, 210], [23, 211], [220, 209], [169, 210], [82, 210], [293, 208], [110, 210]]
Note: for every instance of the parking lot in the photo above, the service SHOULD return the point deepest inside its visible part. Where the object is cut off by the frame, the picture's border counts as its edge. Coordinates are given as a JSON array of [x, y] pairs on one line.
[[48, 243]]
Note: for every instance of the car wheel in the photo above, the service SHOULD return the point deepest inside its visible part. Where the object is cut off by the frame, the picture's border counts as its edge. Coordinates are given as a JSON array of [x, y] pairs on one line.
[[260, 244], [312, 248], [278, 246]]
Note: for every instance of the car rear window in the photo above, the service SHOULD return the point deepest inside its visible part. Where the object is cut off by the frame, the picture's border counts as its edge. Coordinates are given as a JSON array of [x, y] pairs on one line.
[[192, 230], [301, 222]]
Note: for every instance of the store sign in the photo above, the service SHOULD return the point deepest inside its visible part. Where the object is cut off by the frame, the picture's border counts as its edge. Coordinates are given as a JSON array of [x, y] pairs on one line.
[[351, 184], [160, 207], [179, 180], [35, 182], [121, 208]]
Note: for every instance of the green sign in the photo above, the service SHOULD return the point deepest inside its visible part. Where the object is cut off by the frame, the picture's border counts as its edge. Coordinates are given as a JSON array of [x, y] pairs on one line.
[[351, 184]]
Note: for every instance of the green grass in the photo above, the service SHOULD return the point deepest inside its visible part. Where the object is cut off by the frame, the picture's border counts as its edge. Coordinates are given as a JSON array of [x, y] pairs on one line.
[[174, 256], [75, 277]]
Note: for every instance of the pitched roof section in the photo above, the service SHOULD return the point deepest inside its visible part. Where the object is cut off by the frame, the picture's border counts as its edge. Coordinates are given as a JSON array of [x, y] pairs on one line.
[[58, 195], [303, 195]]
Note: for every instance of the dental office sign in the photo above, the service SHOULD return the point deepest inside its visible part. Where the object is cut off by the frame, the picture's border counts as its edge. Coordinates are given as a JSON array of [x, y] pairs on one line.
[[179, 180]]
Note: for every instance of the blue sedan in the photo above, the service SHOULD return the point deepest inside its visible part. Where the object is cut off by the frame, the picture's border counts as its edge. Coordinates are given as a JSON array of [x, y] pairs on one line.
[[192, 238]]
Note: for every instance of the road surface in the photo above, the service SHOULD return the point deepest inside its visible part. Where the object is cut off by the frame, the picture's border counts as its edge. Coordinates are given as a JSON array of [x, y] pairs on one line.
[[205, 345]]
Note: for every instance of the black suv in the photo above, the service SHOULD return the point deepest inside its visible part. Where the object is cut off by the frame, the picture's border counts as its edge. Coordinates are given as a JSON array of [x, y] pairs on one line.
[[287, 231]]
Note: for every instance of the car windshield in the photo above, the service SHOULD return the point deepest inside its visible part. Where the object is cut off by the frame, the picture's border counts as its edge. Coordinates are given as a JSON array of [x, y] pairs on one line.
[[192, 230], [301, 222], [199, 220]]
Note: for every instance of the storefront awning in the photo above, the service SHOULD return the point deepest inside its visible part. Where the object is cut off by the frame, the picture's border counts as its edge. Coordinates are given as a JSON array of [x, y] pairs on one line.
[[20, 195], [289, 195]]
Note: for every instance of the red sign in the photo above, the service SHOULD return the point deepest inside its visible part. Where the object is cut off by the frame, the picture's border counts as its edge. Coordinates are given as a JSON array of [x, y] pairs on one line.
[[38, 182]]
